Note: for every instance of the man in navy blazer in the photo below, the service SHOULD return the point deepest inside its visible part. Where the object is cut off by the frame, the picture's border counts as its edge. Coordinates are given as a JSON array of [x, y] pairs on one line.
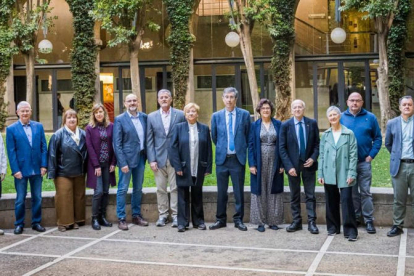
[[299, 150], [399, 141], [27, 152], [230, 133], [129, 146]]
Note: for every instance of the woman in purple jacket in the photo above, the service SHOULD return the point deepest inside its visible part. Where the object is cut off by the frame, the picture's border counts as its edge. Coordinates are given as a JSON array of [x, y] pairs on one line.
[[101, 163]]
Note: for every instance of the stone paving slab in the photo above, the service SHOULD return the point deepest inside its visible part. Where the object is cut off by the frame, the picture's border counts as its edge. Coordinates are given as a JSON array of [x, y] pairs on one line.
[[228, 236], [367, 243], [12, 265], [105, 268], [7, 240], [182, 254], [410, 243], [358, 265]]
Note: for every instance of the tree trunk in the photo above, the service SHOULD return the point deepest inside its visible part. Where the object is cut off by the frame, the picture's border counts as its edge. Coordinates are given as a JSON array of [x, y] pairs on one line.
[[382, 82], [98, 43], [190, 95], [9, 97], [29, 60], [246, 48], [285, 94], [134, 68]]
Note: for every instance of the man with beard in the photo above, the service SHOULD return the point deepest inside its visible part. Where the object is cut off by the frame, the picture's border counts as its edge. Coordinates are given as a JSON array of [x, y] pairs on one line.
[[129, 135]]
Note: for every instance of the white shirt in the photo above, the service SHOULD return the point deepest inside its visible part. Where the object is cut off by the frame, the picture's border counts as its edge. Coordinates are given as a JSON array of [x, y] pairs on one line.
[[193, 148], [166, 119], [336, 135], [74, 135], [138, 127]]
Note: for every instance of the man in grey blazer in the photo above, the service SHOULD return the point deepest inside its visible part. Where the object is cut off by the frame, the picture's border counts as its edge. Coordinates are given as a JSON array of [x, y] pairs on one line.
[[129, 146], [230, 133], [399, 141], [160, 128]]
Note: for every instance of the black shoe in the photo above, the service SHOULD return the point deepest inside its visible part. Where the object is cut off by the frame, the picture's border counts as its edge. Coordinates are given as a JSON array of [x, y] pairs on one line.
[[274, 227], [333, 232], [39, 228], [181, 228], [294, 227], [217, 225], [395, 231], [261, 228], [240, 226], [103, 222], [18, 230], [370, 228], [201, 227], [95, 224], [352, 238], [313, 228]]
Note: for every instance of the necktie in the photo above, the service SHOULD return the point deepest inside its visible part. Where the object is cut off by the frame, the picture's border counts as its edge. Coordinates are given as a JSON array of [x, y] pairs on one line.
[[302, 151], [231, 134]]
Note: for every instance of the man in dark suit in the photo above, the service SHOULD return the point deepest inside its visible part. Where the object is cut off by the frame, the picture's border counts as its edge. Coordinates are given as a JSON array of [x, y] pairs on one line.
[[27, 152], [299, 150], [129, 146], [161, 124], [230, 133]]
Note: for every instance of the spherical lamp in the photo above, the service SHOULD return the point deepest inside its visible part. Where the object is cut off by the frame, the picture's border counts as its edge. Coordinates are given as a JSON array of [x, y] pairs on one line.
[[232, 39], [45, 46], [338, 35]]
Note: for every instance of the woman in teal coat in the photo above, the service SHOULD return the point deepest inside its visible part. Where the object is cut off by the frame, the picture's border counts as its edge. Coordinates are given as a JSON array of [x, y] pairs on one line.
[[337, 172]]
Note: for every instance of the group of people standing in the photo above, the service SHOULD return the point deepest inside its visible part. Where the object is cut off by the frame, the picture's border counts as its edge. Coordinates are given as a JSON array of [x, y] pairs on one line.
[[179, 151]]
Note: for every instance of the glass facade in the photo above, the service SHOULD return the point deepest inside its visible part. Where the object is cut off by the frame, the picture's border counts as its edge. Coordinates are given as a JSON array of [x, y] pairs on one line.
[[319, 82]]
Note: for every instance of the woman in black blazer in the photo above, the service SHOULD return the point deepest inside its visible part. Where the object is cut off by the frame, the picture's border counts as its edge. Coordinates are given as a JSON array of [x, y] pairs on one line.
[[191, 156]]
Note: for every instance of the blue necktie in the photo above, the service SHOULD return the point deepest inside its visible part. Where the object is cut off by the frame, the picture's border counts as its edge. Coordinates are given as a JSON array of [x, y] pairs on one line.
[[231, 134], [302, 151]]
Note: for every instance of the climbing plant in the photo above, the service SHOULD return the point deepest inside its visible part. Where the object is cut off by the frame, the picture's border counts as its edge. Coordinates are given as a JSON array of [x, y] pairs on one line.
[[282, 31], [83, 56], [397, 40], [181, 42]]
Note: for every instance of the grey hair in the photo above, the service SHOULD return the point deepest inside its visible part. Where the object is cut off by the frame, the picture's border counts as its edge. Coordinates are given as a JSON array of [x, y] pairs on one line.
[[333, 108], [23, 103], [404, 98], [164, 91], [230, 90], [298, 100]]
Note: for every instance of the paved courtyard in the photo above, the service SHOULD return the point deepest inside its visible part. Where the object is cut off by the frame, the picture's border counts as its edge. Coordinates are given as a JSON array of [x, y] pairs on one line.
[[228, 251]]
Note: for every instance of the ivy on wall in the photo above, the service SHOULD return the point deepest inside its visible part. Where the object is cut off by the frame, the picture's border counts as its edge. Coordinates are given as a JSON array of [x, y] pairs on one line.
[[282, 31], [181, 42], [83, 57], [396, 47], [6, 54]]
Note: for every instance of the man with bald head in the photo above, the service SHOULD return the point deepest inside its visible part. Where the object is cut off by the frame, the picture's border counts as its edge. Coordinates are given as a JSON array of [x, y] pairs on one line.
[[365, 126], [299, 150], [27, 152]]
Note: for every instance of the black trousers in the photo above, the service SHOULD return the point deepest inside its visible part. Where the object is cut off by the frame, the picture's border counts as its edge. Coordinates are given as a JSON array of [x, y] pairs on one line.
[[308, 179], [183, 205], [101, 192], [333, 218], [231, 168]]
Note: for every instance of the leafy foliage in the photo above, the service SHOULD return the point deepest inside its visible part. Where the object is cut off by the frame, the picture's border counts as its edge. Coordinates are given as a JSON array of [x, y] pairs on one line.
[[181, 42], [396, 47], [83, 57], [124, 19]]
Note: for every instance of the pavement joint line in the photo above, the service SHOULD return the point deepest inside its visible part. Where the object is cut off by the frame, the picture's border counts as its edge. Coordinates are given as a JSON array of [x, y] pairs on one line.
[[54, 237], [214, 246], [402, 254], [30, 254], [312, 269], [26, 240], [40, 268], [361, 254], [192, 265]]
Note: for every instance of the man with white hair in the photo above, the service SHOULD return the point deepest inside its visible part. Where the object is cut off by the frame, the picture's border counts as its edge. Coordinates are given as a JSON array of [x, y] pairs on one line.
[[299, 150], [27, 152]]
